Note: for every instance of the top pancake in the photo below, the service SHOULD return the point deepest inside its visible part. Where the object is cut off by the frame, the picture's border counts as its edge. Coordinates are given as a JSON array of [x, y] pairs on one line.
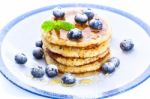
[[90, 36]]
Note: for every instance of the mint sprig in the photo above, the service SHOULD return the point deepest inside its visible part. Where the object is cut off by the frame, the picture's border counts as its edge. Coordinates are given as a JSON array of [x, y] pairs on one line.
[[50, 25]]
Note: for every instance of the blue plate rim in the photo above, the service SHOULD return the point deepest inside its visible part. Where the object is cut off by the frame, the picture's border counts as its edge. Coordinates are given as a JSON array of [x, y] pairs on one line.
[[43, 93]]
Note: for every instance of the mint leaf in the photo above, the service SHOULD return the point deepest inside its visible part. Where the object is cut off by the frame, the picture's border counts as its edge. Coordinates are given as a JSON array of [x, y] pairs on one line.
[[66, 25], [56, 25], [48, 25]]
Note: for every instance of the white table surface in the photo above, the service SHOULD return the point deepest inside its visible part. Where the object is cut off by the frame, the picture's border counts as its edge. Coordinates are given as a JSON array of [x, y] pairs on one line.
[[9, 9]]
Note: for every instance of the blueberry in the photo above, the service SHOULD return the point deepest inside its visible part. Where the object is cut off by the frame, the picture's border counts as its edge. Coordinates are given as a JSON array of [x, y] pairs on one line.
[[68, 78], [81, 18], [108, 67], [89, 13], [74, 34], [39, 44], [51, 71], [37, 72], [38, 53], [58, 12], [96, 24], [126, 45], [114, 60], [20, 58]]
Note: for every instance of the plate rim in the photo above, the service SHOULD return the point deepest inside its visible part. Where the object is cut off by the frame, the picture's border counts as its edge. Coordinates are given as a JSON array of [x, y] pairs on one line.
[[43, 93]]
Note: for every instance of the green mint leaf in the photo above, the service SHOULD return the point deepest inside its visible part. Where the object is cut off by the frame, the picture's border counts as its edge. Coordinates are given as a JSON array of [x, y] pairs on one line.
[[56, 25], [65, 25], [48, 25]]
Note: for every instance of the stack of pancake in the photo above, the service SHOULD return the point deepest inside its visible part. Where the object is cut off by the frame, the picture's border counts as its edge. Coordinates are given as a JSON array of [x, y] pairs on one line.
[[85, 55]]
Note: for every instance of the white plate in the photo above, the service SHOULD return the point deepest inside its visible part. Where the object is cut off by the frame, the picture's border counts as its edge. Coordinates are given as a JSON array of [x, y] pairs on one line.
[[21, 34]]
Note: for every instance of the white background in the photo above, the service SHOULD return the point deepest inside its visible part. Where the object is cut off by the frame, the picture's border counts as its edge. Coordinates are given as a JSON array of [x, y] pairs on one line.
[[9, 9]]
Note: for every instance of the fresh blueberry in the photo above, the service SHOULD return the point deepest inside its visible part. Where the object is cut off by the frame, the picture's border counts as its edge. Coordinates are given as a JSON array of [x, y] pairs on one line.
[[126, 45], [58, 12], [37, 72], [89, 13], [114, 60], [20, 58], [108, 67], [39, 44], [68, 78], [38, 53], [81, 18], [74, 34], [51, 71], [96, 24]]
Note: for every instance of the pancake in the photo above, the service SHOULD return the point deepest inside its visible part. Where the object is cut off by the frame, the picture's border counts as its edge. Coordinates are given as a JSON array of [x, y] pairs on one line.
[[81, 69], [75, 51], [72, 61], [90, 36]]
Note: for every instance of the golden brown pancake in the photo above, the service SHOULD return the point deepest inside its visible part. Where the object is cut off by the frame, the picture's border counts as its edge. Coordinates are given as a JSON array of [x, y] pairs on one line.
[[90, 37], [72, 61], [80, 69], [76, 51]]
